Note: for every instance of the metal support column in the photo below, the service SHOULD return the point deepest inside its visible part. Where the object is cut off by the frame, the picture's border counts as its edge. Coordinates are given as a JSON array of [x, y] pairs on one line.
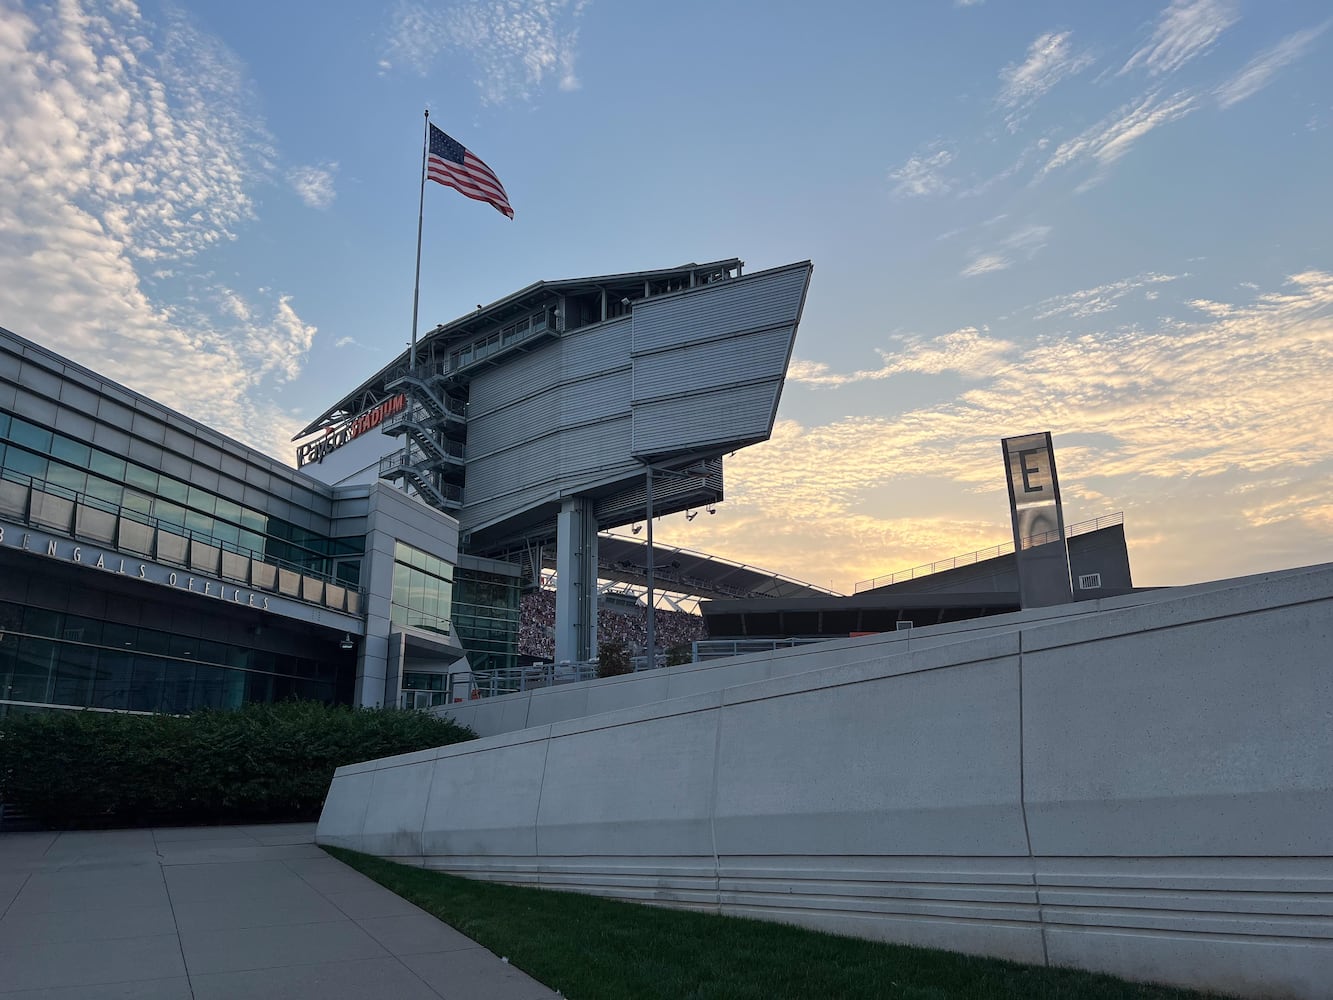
[[652, 597], [576, 581]]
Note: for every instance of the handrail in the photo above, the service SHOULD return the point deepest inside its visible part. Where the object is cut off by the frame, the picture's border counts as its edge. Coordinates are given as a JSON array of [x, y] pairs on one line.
[[80, 499], [970, 558]]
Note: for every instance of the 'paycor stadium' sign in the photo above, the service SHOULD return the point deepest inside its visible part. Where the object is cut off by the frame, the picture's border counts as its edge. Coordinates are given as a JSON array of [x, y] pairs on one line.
[[334, 439]]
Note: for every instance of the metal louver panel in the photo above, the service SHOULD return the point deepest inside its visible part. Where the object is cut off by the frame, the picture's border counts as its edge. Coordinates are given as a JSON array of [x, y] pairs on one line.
[[709, 365], [733, 415], [712, 363], [771, 298]]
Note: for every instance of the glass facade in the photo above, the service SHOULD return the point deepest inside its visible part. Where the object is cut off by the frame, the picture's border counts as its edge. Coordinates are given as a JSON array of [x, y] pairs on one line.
[[422, 589], [59, 658], [65, 467], [486, 610]]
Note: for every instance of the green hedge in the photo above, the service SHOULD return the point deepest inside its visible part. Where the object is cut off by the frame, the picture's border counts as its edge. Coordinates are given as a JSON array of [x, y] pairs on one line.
[[256, 763]]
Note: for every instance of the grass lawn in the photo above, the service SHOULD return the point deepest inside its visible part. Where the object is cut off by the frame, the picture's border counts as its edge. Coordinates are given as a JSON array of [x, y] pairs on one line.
[[601, 949]]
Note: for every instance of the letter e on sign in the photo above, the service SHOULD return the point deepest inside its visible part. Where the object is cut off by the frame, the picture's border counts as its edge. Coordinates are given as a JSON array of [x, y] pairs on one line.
[[1031, 467]]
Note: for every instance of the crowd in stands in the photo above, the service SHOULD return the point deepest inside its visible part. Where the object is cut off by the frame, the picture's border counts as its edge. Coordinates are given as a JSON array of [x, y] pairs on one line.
[[536, 631]]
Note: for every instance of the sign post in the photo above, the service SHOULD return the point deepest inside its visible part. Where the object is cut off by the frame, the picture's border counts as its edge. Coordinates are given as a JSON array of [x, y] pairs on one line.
[[1040, 548]]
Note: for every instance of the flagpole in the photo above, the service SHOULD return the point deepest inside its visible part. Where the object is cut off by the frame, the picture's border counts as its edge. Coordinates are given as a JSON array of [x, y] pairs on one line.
[[421, 209]]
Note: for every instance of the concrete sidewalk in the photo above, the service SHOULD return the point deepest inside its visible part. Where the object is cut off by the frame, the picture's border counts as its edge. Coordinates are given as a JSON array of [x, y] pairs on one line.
[[219, 913]]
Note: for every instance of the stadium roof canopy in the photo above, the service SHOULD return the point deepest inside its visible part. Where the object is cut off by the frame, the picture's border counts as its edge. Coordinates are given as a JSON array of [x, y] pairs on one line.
[[698, 574]]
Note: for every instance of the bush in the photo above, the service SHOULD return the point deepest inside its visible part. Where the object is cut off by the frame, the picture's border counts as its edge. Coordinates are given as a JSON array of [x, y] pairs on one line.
[[261, 762], [613, 659], [679, 655]]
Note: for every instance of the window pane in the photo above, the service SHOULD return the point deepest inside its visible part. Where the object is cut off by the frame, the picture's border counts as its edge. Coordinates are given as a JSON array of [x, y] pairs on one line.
[[172, 489], [104, 489], [137, 475], [111, 685], [24, 433], [73, 452], [63, 475], [25, 463], [32, 670], [107, 465], [201, 499], [146, 684]]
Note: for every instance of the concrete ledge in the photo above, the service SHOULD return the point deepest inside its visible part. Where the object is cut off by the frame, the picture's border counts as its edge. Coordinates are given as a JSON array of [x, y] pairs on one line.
[[1143, 787]]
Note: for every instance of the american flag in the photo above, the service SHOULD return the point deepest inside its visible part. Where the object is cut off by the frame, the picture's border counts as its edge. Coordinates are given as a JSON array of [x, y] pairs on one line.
[[453, 166]]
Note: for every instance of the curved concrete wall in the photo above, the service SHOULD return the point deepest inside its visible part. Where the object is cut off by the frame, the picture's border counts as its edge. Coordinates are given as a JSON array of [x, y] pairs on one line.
[[1145, 789]]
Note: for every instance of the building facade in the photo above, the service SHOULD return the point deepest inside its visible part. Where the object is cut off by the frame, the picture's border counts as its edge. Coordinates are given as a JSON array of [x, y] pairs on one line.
[[149, 563], [570, 407]]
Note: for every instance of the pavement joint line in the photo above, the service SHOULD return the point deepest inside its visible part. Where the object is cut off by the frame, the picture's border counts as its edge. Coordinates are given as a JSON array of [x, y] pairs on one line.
[[396, 957], [35, 990], [180, 945]]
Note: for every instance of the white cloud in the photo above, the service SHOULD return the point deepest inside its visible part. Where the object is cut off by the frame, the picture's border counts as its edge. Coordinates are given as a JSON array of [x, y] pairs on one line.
[[129, 147], [1185, 30], [1260, 70], [1114, 136], [1103, 298], [986, 263], [516, 47], [968, 3], [967, 352], [1050, 58], [314, 185], [1202, 430], [923, 175], [1022, 244]]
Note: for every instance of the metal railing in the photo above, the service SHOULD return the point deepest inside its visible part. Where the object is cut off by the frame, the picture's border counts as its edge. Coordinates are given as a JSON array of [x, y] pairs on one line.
[[44, 505], [981, 555], [721, 649], [511, 680]]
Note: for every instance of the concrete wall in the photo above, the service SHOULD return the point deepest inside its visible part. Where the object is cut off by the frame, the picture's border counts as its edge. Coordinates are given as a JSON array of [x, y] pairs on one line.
[[1145, 789]]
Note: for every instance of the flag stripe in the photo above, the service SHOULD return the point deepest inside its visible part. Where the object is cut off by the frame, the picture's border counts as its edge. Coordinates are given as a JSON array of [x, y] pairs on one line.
[[447, 173], [448, 163]]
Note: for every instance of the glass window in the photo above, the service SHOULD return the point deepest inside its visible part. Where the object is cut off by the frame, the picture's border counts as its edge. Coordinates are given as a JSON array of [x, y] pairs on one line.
[[229, 510], [150, 640], [146, 683], [25, 463], [33, 666], [80, 629], [253, 520], [349, 573], [39, 621], [201, 499], [201, 523], [72, 682], [172, 489], [135, 501], [104, 489], [111, 682], [73, 452], [144, 479], [169, 513], [64, 475], [120, 636], [225, 532], [178, 687], [107, 465], [30, 435]]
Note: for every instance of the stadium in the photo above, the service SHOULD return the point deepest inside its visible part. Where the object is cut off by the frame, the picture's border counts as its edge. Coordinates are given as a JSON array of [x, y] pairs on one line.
[[449, 525], [1028, 757]]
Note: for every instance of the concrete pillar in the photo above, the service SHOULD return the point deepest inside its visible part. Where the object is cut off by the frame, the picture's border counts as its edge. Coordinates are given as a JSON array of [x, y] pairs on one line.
[[576, 584]]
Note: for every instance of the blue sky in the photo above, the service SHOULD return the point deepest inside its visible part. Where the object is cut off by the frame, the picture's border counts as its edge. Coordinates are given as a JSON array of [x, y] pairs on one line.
[[1110, 221]]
